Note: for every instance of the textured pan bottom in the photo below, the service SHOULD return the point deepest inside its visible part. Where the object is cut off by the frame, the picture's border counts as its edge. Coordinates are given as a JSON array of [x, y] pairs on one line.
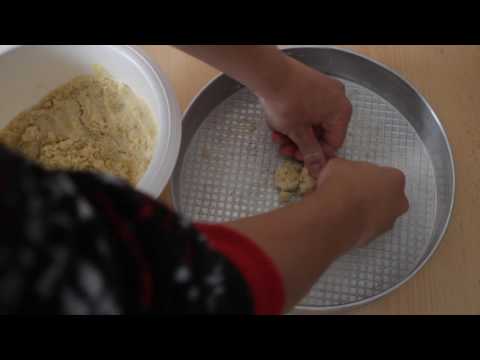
[[227, 173]]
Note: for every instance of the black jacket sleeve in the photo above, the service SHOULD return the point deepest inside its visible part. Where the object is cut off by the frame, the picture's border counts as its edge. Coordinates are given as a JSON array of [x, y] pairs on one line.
[[78, 243]]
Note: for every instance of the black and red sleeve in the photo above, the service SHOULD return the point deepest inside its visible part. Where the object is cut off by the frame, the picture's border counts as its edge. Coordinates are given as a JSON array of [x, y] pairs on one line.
[[87, 244]]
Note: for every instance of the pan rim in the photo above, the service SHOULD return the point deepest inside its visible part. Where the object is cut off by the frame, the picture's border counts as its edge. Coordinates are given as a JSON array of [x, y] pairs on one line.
[[444, 227]]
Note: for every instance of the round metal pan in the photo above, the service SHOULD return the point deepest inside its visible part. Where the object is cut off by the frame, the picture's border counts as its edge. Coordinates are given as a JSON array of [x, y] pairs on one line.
[[227, 160]]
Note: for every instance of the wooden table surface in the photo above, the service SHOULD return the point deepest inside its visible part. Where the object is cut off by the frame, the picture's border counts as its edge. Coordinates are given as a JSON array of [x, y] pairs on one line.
[[449, 78]]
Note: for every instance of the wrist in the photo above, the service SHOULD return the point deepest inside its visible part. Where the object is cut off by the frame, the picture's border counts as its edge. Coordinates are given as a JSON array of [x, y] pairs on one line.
[[278, 80]]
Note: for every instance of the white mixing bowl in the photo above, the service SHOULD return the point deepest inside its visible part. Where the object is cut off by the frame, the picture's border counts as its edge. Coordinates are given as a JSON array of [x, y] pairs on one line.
[[27, 73]]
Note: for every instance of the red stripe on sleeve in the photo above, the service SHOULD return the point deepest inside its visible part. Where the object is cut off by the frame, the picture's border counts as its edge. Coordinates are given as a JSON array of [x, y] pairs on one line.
[[257, 268]]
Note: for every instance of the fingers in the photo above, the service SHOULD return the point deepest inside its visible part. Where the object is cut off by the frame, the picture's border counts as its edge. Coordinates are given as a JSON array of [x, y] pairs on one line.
[[310, 147], [329, 150], [335, 136], [323, 174], [280, 139], [289, 149], [287, 146]]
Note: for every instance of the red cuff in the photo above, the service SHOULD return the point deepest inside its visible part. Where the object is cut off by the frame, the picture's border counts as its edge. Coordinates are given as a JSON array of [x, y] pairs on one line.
[[256, 267]]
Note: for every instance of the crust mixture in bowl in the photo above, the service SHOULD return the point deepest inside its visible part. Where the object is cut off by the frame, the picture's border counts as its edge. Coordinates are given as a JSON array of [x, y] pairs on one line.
[[91, 123]]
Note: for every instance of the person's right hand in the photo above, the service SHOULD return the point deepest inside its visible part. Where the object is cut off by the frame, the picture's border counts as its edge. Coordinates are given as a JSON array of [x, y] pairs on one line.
[[353, 203], [375, 193]]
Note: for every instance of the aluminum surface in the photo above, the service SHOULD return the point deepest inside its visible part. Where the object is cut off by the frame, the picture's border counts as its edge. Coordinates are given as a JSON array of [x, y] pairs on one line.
[[227, 160]]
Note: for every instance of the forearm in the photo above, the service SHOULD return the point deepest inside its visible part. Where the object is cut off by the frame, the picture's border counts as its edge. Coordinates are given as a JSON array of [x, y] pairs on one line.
[[305, 238], [262, 68]]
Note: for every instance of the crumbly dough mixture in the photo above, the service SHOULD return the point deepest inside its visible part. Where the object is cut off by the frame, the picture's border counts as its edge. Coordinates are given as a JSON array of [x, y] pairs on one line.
[[91, 123], [292, 179]]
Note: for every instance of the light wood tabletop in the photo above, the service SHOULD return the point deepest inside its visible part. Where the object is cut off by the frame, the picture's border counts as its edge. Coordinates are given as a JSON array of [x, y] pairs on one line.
[[449, 78]]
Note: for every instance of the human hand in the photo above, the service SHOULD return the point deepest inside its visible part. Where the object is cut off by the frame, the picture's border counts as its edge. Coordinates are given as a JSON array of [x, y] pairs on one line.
[[353, 203], [309, 115], [375, 194]]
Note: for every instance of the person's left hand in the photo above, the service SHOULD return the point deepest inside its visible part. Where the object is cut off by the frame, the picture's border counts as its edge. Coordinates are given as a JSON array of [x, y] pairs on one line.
[[309, 115]]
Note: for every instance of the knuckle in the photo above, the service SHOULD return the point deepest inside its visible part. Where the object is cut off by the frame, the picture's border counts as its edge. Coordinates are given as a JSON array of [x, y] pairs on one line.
[[399, 177], [348, 108], [365, 166], [345, 110], [341, 87], [402, 180], [406, 204], [295, 133], [391, 224]]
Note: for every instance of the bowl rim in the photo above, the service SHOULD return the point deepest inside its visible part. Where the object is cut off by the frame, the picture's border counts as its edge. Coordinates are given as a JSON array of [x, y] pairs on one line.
[[163, 172]]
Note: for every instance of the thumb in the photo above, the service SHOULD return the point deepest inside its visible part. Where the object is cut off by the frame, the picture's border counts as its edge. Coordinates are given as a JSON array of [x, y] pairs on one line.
[[311, 149]]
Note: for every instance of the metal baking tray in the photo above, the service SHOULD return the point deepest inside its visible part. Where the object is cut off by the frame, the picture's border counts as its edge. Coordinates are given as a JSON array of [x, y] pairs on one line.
[[227, 161]]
